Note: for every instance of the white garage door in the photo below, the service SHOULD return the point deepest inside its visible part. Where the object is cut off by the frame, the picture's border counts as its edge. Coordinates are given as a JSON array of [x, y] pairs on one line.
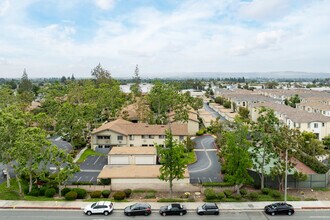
[[144, 160], [119, 160]]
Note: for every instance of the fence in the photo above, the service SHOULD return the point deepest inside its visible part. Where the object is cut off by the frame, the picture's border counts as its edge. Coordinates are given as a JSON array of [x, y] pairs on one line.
[[312, 181], [90, 188]]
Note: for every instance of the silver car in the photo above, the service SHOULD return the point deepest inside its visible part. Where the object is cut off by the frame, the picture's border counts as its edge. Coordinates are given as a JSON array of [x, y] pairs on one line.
[[208, 209]]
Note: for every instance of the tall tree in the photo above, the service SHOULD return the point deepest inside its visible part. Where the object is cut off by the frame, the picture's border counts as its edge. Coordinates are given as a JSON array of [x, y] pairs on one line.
[[135, 88], [173, 163], [237, 159], [264, 134], [102, 75], [25, 84], [309, 144]]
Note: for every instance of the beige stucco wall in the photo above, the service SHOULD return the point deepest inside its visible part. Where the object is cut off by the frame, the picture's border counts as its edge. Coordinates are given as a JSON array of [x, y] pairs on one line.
[[113, 139], [131, 159], [193, 127], [152, 183]]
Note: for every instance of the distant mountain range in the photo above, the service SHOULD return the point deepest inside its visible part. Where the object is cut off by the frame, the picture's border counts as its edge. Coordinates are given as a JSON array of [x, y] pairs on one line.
[[268, 75]]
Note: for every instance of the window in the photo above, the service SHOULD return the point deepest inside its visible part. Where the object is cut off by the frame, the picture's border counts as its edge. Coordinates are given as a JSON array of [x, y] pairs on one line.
[[131, 137], [151, 137], [161, 136], [103, 137], [144, 136], [144, 145], [181, 137], [120, 138], [131, 145], [316, 125], [322, 124], [151, 145]]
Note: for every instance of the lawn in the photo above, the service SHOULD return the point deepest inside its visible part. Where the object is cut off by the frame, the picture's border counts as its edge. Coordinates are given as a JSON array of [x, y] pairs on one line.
[[191, 157], [11, 193], [88, 152]]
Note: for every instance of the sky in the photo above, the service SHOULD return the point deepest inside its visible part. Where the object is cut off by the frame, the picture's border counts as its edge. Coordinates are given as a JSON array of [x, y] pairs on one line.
[[54, 38]]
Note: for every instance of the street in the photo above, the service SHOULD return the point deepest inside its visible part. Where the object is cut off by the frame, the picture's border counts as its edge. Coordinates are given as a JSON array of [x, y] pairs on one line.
[[226, 215], [207, 167]]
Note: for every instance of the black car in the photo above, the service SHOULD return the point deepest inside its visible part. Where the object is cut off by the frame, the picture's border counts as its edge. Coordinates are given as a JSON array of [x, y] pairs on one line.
[[173, 209], [208, 209], [279, 208], [138, 209]]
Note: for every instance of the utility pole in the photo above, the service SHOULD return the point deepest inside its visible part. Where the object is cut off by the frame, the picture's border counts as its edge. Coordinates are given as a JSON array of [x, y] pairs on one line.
[[286, 175]]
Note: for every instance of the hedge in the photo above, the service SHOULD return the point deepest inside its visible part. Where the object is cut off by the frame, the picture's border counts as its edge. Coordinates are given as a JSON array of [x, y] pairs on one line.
[[128, 192], [223, 184], [81, 193], [42, 190], [95, 194], [119, 195], [312, 162], [50, 192], [65, 191], [72, 195], [106, 193], [34, 192]]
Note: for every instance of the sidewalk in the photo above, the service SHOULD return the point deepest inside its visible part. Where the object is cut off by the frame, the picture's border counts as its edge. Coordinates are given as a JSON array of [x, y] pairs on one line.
[[243, 206]]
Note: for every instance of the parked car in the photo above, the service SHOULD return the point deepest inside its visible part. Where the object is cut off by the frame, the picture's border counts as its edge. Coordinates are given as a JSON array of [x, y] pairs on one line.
[[173, 209], [208, 209], [138, 209], [279, 208], [102, 207]]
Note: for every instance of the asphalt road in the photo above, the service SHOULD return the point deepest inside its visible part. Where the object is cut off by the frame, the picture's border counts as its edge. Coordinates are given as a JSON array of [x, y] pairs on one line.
[[226, 215], [214, 113], [207, 168]]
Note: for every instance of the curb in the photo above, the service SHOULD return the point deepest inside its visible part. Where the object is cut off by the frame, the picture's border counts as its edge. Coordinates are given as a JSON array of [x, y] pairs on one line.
[[324, 207], [42, 207]]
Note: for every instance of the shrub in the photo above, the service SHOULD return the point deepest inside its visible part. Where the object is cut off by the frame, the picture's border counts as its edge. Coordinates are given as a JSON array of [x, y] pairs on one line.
[[72, 195], [95, 194], [275, 194], [312, 162], [65, 191], [209, 194], [119, 195], [217, 184], [106, 193], [253, 196], [265, 191], [150, 196], [243, 192], [128, 192], [220, 195], [42, 190], [81, 193], [34, 192], [236, 197], [228, 193], [50, 192], [105, 181]]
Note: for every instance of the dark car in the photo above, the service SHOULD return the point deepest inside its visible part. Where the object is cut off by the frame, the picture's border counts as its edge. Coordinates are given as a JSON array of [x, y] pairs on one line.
[[173, 209], [279, 208], [208, 209], [138, 209]]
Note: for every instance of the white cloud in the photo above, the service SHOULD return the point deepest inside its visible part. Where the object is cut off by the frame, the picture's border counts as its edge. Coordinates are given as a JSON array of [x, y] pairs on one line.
[[4, 6], [105, 4]]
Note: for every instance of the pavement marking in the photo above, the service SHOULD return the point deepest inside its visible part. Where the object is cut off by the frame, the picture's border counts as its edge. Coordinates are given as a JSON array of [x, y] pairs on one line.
[[97, 160], [210, 179], [78, 179], [208, 157], [91, 179]]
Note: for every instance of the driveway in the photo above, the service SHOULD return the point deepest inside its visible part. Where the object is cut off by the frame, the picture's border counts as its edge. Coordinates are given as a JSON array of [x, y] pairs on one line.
[[213, 113], [207, 168]]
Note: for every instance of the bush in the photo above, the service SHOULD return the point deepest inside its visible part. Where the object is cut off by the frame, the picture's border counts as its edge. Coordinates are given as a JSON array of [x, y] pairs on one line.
[[220, 195], [105, 181], [228, 193], [275, 194], [119, 195], [236, 197], [81, 193], [95, 194], [243, 192], [106, 193], [210, 194], [65, 191], [50, 192], [42, 190], [253, 196], [128, 192], [312, 162], [217, 184], [34, 192], [265, 191], [201, 132], [72, 195]]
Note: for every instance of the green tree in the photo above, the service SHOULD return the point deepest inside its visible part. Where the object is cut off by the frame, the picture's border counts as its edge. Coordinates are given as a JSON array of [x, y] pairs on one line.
[[102, 75], [135, 88], [244, 113], [173, 163], [237, 159], [309, 144], [63, 162], [264, 134], [25, 84], [292, 101]]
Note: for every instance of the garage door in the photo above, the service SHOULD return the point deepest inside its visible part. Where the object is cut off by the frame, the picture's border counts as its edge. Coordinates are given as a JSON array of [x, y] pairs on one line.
[[119, 160], [144, 160]]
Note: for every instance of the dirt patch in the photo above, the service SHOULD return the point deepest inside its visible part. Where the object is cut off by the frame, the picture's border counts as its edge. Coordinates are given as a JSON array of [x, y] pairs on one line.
[[311, 194]]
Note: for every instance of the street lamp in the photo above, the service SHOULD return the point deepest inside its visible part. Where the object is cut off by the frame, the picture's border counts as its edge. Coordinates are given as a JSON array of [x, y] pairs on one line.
[[286, 175]]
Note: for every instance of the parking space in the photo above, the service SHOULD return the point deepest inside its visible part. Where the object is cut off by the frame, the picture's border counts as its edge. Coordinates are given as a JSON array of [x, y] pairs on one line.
[[84, 176], [94, 163]]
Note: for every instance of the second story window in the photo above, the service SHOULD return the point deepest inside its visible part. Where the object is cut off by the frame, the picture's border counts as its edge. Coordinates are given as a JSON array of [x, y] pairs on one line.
[[144, 136], [161, 136], [151, 137], [316, 125], [120, 138], [131, 137]]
